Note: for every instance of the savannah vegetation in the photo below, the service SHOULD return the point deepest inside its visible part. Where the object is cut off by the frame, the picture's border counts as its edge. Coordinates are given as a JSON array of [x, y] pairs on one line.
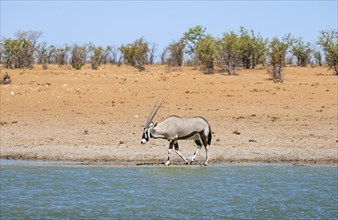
[[225, 54]]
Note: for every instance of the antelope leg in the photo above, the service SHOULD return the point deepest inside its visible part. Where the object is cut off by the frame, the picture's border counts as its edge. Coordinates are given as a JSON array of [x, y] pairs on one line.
[[179, 153], [171, 144], [199, 146], [206, 156]]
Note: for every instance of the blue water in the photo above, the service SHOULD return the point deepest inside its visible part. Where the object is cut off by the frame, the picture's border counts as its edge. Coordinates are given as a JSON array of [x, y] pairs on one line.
[[192, 192]]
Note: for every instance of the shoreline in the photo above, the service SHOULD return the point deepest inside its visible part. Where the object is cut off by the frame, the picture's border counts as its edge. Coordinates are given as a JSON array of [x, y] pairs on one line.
[[153, 163], [155, 154]]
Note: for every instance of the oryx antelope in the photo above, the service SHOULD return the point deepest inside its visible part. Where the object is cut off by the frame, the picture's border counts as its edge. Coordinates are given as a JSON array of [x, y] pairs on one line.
[[174, 128]]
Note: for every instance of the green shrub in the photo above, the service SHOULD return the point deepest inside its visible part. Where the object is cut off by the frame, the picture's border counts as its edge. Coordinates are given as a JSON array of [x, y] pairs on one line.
[[277, 54], [206, 52], [136, 54], [229, 52], [328, 40]]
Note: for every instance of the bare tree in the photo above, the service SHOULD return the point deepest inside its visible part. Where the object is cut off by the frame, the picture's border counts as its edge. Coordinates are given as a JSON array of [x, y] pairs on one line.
[[115, 54], [31, 39], [152, 52], [164, 55]]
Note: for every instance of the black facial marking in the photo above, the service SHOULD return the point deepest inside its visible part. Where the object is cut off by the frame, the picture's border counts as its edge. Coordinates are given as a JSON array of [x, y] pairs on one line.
[[145, 134]]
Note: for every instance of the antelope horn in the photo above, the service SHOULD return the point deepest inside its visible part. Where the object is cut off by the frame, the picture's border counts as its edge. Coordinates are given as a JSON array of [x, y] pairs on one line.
[[153, 113], [150, 115]]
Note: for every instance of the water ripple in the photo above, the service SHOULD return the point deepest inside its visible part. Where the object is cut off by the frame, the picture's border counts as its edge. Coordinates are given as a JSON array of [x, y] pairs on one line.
[[240, 192]]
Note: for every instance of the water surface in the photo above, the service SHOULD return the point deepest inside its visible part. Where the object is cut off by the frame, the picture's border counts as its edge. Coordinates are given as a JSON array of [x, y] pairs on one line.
[[192, 192]]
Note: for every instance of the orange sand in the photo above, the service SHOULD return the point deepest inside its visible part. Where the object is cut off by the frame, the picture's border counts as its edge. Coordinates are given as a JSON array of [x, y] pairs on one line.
[[98, 115]]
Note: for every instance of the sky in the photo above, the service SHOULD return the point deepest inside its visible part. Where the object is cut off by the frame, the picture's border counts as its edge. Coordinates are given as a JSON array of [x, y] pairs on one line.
[[162, 22]]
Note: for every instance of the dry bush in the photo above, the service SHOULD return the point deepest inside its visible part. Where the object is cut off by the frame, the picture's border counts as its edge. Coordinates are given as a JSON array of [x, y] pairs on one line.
[[19, 52], [173, 55], [79, 55], [6, 79]]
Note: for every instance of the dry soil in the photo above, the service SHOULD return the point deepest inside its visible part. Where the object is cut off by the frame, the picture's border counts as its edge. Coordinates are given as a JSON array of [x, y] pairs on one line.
[[98, 115]]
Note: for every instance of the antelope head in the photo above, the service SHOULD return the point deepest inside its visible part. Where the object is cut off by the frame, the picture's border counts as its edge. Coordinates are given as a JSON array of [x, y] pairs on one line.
[[149, 124]]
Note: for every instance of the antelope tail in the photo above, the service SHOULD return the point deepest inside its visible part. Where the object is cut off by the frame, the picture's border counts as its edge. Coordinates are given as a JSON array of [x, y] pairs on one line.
[[209, 136]]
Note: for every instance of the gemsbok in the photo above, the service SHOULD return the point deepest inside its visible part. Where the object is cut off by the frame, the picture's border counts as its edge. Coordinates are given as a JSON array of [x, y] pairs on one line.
[[174, 128]]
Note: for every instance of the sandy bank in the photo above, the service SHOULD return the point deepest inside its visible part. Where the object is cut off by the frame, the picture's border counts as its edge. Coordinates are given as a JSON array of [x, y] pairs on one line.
[[88, 115]]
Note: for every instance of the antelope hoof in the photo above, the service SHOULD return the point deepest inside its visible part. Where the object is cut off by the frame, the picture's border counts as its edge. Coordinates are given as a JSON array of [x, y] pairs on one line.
[[205, 164], [167, 163], [192, 162]]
